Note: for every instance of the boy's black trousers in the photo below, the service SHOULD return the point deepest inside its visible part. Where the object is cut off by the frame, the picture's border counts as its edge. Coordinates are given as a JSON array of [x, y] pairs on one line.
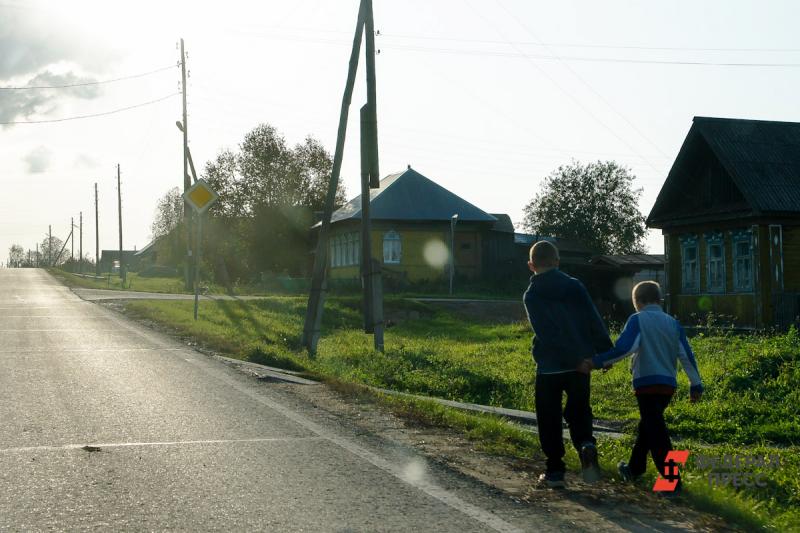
[[652, 437], [578, 414]]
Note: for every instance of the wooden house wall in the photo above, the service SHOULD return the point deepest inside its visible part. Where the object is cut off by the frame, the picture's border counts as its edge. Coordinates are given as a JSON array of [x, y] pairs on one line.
[[413, 266], [791, 258]]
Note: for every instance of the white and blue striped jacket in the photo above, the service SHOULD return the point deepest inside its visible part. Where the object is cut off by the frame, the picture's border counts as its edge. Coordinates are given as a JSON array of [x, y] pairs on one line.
[[656, 341]]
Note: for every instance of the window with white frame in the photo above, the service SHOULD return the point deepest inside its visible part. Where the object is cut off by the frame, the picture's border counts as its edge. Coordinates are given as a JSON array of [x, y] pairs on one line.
[[392, 248], [742, 260], [344, 250], [690, 277], [715, 262]]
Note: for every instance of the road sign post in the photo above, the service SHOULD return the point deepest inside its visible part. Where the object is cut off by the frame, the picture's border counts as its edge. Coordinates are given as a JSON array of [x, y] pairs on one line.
[[200, 197]]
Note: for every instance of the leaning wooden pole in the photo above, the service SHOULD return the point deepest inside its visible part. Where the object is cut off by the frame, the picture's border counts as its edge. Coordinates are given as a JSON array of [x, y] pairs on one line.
[[316, 298], [372, 180]]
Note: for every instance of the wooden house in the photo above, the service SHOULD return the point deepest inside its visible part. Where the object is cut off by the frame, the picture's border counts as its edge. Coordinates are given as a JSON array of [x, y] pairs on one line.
[[411, 231], [729, 211]]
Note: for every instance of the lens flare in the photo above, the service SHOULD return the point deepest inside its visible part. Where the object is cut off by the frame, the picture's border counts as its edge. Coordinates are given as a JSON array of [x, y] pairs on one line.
[[435, 253]]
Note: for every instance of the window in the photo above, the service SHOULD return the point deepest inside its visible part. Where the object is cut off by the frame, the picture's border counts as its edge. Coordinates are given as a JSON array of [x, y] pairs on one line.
[[690, 280], [344, 249], [742, 261], [391, 247], [715, 262]]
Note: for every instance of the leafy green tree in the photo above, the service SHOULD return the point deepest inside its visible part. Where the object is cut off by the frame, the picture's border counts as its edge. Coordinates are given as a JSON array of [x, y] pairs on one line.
[[593, 203], [16, 255], [169, 213]]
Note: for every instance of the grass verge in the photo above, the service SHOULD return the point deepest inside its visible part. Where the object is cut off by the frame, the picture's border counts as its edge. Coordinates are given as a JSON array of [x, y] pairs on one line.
[[750, 407]]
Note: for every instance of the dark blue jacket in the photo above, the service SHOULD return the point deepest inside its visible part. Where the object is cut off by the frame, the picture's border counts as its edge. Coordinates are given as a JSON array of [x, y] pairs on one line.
[[565, 322]]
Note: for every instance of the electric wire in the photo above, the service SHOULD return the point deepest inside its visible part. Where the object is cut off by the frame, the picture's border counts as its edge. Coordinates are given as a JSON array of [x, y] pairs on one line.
[[80, 117], [87, 83]]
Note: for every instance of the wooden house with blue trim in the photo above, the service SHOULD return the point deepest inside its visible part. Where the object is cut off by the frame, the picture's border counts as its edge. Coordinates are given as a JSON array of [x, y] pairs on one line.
[[729, 211]]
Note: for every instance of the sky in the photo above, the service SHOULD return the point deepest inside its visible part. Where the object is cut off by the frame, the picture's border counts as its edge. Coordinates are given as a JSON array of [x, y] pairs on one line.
[[484, 97]]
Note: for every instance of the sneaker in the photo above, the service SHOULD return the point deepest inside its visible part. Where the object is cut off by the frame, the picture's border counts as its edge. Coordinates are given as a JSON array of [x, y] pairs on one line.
[[552, 480], [625, 472], [589, 466]]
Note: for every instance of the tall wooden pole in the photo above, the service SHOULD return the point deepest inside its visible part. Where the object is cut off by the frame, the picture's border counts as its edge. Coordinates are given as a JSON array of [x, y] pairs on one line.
[[49, 245], [80, 248], [122, 273], [187, 211], [316, 299], [96, 235], [72, 243]]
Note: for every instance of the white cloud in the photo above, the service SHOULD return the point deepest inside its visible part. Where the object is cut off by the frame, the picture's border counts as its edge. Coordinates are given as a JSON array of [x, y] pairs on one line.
[[39, 160]]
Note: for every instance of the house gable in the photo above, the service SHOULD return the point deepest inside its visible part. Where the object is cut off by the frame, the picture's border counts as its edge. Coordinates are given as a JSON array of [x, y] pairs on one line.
[[410, 196], [732, 168], [698, 188]]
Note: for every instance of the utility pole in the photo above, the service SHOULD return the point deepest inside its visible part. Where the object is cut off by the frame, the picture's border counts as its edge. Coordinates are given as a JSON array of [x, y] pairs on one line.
[[50, 246], [119, 206], [187, 211], [80, 248], [96, 236], [72, 242], [37, 255], [370, 179]]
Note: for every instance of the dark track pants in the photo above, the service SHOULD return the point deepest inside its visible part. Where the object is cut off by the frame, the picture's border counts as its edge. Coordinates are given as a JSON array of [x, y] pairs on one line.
[[652, 437], [578, 414]]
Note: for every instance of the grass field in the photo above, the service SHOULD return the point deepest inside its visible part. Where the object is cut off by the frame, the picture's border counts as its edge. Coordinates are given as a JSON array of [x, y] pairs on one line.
[[134, 282], [750, 407]]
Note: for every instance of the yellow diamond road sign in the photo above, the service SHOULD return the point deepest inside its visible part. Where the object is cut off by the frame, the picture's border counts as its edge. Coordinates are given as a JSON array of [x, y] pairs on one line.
[[200, 196]]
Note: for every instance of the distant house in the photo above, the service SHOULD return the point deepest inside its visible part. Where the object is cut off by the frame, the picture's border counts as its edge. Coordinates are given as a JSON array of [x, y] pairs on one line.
[[107, 258], [730, 214], [411, 219], [611, 279]]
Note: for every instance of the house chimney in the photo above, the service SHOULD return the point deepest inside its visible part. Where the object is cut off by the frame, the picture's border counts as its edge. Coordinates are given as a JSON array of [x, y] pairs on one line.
[[409, 166]]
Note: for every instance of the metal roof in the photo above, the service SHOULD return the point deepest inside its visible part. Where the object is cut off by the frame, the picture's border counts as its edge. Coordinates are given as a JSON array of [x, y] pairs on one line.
[[761, 157], [630, 260], [409, 195]]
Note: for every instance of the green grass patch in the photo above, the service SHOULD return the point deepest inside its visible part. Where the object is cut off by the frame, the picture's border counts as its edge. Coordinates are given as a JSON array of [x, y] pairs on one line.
[[134, 282], [751, 401]]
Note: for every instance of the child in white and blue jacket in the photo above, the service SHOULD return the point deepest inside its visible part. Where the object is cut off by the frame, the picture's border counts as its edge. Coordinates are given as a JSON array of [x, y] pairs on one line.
[[656, 341]]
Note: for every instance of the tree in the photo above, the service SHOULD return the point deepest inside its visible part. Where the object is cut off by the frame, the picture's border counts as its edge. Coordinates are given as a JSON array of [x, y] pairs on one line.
[[594, 203], [169, 213], [265, 172], [16, 255], [49, 254]]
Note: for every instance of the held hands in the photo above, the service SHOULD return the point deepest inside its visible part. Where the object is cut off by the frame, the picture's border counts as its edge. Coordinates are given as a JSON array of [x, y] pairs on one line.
[[585, 366]]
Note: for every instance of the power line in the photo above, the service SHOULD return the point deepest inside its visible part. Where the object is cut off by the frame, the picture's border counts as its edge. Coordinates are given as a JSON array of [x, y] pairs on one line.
[[84, 84], [520, 54], [422, 36], [588, 45], [555, 82], [79, 117], [585, 83]]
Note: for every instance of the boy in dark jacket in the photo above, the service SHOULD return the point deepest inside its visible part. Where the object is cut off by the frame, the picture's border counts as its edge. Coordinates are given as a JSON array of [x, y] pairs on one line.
[[567, 330]]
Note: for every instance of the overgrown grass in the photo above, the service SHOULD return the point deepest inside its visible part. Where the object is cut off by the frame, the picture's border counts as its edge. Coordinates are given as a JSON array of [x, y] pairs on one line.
[[750, 405], [134, 282]]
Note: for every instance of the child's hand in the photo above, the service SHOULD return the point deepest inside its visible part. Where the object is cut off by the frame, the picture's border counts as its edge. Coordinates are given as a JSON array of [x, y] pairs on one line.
[[585, 366], [695, 396]]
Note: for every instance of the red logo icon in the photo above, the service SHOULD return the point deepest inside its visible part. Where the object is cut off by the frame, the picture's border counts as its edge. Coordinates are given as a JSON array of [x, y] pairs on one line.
[[668, 479]]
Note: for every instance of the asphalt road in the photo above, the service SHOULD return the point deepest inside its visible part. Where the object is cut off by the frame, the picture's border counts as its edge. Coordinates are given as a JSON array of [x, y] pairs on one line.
[[181, 441]]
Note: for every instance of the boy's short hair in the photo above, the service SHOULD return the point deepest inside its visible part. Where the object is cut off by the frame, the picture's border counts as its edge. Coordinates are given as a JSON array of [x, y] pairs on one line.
[[544, 253], [647, 292]]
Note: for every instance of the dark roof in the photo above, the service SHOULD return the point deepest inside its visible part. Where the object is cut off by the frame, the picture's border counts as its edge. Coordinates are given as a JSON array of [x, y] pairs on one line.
[[503, 223], [630, 260], [761, 157], [564, 245], [409, 195]]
